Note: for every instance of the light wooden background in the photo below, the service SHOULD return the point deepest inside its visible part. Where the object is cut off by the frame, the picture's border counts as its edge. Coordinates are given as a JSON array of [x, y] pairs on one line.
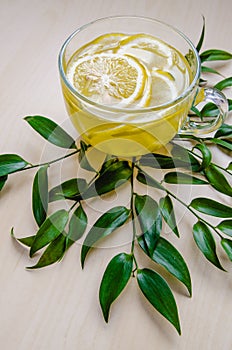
[[57, 308]]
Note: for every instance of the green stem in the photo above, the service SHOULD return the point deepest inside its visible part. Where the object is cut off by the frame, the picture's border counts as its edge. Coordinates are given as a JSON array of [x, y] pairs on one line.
[[133, 216], [132, 207], [50, 162]]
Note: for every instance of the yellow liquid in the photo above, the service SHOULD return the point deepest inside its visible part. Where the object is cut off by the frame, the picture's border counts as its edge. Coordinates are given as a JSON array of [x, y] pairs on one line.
[[162, 74]]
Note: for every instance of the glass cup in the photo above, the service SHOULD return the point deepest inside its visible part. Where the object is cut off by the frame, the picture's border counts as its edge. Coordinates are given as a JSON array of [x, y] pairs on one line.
[[129, 132]]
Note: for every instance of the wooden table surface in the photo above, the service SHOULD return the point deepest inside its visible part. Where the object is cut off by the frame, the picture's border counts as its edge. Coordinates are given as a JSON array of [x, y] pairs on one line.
[[57, 308]]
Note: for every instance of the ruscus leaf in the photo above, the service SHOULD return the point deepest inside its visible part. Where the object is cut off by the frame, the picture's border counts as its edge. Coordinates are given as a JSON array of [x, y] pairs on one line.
[[70, 189], [205, 242], [40, 195], [114, 176], [167, 211], [146, 179], [166, 255], [206, 155], [200, 42], [183, 158], [104, 226], [77, 226], [149, 217], [177, 177], [115, 279], [52, 254], [27, 241], [215, 55], [226, 227], [211, 207], [217, 180], [51, 228], [222, 143], [205, 69], [229, 167], [159, 161], [225, 130], [83, 160], [158, 293], [227, 246], [10, 163], [51, 131], [3, 180], [225, 83], [209, 110]]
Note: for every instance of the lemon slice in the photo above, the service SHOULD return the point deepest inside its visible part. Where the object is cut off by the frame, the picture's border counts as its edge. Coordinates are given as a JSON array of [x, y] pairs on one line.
[[152, 51], [164, 87], [109, 43], [109, 79]]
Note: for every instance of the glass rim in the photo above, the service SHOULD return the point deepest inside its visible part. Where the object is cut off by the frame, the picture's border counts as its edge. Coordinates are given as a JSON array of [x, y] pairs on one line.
[[127, 110]]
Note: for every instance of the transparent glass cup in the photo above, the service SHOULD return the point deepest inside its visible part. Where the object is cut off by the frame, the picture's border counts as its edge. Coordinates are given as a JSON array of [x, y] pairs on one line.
[[129, 132]]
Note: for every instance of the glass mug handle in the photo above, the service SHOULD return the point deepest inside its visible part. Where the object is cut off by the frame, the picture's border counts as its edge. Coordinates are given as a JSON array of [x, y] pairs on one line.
[[195, 126]]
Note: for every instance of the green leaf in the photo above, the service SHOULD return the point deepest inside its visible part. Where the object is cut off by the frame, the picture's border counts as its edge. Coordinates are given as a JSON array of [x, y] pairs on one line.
[[222, 143], [211, 207], [150, 220], [225, 130], [159, 161], [77, 226], [114, 280], [146, 179], [166, 255], [51, 228], [225, 83], [40, 195], [205, 69], [226, 227], [183, 157], [83, 160], [215, 55], [209, 110], [70, 189], [159, 294], [217, 180], [52, 254], [229, 167], [109, 160], [176, 177], [227, 246], [205, 242], [206, 155], [51, 131], [167, 211], [104, 226], [3, 180], [27, 241], [196, 111], [10, 163], [114, 176], [229, 103], [200, 42]]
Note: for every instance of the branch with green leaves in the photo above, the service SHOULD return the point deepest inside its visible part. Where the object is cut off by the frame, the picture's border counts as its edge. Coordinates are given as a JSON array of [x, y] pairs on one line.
[[190, 163]]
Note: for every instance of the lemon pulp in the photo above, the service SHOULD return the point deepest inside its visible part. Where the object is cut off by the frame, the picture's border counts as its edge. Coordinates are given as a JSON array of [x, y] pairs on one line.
[[127, 71]]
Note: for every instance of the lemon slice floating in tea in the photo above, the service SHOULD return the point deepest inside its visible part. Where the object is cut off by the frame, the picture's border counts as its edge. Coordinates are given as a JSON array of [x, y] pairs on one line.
[[109, 79], [132, 71], [104, 43], [150, 50], [164, 87]]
